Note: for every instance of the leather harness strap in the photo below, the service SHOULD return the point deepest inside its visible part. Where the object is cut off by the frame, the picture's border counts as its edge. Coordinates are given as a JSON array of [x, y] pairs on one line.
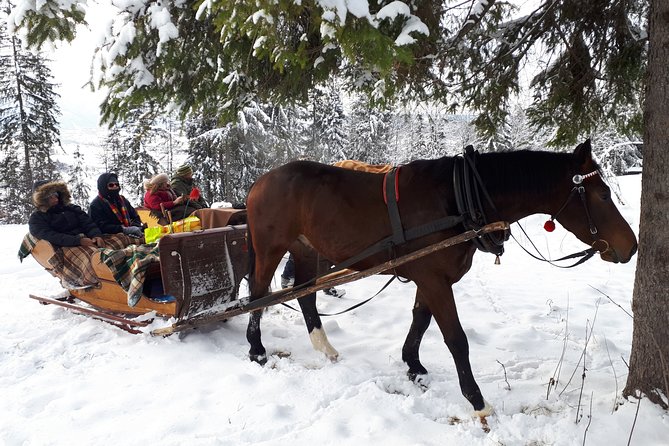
[[391, 197]]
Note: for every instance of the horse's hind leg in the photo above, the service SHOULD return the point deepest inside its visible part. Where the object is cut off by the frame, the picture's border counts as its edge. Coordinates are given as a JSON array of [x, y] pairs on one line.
[[264, 268], [419, 323], [306, 268], [440, 300]]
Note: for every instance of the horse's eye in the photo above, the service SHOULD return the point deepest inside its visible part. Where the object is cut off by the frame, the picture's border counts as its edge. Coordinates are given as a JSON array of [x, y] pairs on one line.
[[605, 195]]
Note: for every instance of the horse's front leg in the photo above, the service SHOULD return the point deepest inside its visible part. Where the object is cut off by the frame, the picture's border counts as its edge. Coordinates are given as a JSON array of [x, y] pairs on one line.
[[419, 323], [442, 305], [306, 268], [257, 351]]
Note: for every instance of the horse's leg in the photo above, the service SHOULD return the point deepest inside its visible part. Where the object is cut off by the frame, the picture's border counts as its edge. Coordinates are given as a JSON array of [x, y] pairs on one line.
[[442, 305], [265, 264], [306, 268], [419, 323]]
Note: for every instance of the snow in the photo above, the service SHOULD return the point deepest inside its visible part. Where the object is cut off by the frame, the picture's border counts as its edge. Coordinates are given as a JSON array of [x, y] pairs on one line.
[[69, 379]]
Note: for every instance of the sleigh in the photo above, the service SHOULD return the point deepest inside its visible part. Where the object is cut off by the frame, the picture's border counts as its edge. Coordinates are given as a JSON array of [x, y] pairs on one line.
[[197, 273]]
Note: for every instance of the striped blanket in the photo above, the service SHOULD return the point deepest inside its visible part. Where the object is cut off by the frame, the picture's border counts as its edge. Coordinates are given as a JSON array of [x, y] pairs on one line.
[[72, 264], [129, 266]]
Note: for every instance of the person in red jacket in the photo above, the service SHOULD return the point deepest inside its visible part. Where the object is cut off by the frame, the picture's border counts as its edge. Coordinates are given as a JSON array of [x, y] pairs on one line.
[[158, 191]]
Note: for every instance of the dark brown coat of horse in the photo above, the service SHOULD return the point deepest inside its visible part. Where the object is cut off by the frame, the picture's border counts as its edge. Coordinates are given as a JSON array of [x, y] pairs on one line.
[[338, 212]]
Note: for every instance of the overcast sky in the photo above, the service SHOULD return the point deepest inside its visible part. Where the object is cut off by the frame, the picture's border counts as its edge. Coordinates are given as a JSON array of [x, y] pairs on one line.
[[71, 70]]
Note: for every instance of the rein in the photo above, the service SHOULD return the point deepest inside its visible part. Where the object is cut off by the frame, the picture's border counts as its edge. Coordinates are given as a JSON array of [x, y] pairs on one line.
[[469, 187]]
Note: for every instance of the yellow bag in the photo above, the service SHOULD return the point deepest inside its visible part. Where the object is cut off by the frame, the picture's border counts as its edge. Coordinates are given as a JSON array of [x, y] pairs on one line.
[[188, 224]]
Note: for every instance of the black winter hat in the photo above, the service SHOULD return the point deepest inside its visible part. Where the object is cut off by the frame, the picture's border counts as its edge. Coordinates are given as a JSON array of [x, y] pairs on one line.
[[103, 180]]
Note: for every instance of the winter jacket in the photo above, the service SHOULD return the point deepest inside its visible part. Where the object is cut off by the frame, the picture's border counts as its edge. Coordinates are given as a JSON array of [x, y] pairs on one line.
[[103, 215], [62, 224], [152, 200], [182, 186]]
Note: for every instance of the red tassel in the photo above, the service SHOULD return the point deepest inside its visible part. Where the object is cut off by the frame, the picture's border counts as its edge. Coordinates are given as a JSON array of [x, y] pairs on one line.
[[549, 226], [195, 194]]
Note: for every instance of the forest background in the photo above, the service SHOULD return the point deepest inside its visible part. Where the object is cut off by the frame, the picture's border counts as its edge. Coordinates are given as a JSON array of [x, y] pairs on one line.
[[331, 125]]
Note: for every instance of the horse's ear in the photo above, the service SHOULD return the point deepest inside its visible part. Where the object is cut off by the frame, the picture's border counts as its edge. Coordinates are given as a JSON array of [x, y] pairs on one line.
[[583, 153]]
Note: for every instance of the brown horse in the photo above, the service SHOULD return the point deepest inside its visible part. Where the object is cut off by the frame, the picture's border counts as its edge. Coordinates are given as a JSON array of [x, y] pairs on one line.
[[305, 206]]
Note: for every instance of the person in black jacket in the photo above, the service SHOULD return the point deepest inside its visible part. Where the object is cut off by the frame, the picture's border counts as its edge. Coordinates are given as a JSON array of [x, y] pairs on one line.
[[58, 221], [111, 211]]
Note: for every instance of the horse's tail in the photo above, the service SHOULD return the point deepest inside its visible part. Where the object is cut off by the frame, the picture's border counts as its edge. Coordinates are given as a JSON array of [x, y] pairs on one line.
[[249, 244], [252, 254]]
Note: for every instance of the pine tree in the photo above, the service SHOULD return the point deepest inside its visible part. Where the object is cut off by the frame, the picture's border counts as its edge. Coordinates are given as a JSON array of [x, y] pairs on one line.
[[129, 147], [468, 54], [229, 158], [28, 114], [328, 128], [12, 198], [369, 133], [81, 192]]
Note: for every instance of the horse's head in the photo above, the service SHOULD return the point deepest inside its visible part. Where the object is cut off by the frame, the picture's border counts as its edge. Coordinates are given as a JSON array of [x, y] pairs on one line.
[[590, 213]]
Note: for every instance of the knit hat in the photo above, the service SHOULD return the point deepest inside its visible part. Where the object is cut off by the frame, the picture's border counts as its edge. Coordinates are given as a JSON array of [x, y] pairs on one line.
[[184, 170]]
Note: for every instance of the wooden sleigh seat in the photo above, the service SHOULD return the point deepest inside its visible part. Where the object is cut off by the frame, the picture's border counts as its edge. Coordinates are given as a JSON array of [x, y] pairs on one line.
[[108, 295]]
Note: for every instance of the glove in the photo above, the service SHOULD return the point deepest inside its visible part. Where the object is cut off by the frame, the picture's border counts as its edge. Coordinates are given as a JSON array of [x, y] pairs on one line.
[[133, 231]]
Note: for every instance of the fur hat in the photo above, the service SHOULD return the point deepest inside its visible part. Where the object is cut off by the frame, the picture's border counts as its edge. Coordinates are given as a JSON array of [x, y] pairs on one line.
[[156, 179], [44, 190], [184, 170]]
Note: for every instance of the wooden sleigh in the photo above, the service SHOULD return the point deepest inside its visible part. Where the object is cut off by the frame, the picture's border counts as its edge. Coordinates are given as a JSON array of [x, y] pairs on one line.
[[198, 272]]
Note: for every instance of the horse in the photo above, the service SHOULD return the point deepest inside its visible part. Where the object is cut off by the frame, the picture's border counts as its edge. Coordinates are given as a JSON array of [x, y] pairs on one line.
[[320, 211]]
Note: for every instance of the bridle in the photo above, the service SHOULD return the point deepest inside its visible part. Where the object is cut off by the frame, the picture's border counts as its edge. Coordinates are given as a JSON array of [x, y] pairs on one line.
[[469, 188], [598, 245], [580, 190]]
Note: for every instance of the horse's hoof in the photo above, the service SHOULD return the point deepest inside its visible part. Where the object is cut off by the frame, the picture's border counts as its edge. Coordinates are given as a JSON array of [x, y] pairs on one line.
[[486, 411], [260, 359], [415, 372]]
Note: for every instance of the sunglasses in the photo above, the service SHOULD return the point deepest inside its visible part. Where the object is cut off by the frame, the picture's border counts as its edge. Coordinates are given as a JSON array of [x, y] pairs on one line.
[[53, 195], [113, 185]]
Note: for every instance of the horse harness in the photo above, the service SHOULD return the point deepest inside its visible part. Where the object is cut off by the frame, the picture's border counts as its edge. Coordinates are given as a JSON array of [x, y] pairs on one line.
[[469, 192]]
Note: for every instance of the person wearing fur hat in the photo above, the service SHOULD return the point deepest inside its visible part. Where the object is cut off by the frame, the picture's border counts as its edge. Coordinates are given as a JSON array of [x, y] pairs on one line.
[[158, 191], [60, 222], [182, 184], [111, 211]]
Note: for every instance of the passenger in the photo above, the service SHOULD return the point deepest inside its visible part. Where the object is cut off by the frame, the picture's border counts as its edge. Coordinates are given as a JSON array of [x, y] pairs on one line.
[[158, 191], [74, 235], [182, 184], [111, 211], [58, 221]]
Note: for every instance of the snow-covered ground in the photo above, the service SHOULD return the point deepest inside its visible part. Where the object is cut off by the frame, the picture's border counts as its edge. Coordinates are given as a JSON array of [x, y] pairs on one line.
[[71, 380]]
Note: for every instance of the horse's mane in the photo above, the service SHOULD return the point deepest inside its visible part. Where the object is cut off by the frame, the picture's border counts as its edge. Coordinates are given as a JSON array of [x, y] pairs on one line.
[[525, 171]]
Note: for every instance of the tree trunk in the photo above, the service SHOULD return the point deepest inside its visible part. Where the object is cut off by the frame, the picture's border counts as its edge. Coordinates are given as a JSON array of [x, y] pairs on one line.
[[649, 361]]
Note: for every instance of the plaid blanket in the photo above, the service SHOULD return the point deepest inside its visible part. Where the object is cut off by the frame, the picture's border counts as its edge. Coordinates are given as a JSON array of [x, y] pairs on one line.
[[27, 245], [72, 264], [129, 266]]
